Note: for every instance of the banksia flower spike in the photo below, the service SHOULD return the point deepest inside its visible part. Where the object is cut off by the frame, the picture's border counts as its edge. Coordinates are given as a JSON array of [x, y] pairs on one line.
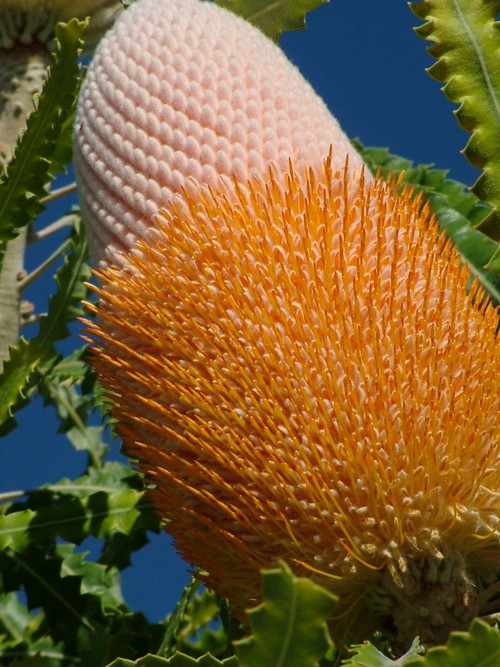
[[303, 376], [296, 363], [182, 91]]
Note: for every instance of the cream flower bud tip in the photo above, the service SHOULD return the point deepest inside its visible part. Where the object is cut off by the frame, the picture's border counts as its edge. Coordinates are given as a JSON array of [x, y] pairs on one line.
[[303, 376], [184, 91]]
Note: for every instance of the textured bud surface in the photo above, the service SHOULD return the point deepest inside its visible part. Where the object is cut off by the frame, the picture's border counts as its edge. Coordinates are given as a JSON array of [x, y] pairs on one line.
[[303, 376], [183, 88]]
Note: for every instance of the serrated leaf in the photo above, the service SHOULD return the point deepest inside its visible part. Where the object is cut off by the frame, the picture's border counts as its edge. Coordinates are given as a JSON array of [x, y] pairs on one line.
[[37, 572], [175, 621], [367, 655], [13, 530], [14, 380], [123, 636], [72, 367], [466, 46], [289, 627], [177, 660], [202, 609], [41, 652], [273, 17], [64, 306], [96, 579], [196, 634], [112, 476], [494, 263], [458, 211], [99, 514], [480, 647], [15, 620], [45, 146], [73, 411]]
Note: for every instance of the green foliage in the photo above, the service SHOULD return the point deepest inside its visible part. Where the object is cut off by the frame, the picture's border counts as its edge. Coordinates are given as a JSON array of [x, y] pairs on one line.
[[44, 148], [366, 655], [289, 626], [74, 407], [30, 360], [78, 600], [458, 211], [198, 632], [467, 49], [176, 620], [480, 647], [14, 380], [273, 17], [177, 660], [74, 517]]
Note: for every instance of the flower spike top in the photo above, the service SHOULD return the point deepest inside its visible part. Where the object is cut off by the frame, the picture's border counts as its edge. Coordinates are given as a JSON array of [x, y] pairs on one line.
[[184, 90]]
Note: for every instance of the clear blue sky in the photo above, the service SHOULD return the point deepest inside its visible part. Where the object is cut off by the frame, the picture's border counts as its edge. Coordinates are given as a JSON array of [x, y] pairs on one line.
[[365, 61]]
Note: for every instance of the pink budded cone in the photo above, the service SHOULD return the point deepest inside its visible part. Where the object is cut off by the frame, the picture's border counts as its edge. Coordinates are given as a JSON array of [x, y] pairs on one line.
[[182, 93]]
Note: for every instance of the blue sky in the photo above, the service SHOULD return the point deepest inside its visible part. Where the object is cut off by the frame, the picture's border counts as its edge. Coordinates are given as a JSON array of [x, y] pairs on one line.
[[365, 61]]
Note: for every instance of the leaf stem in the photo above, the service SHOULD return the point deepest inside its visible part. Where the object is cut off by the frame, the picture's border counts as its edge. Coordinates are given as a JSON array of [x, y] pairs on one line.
[[31, 277], [65, 221], [59, 192], [12, 495]]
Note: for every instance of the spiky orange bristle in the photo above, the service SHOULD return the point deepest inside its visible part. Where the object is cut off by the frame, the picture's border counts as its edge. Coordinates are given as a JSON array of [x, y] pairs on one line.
[[303, 376]]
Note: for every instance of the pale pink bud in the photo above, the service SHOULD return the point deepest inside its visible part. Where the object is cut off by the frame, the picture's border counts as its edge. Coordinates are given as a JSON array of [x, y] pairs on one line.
[[183, 90]]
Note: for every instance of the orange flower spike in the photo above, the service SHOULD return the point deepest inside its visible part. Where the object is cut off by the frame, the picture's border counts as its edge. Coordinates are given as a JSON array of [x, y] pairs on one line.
[[303, 376]]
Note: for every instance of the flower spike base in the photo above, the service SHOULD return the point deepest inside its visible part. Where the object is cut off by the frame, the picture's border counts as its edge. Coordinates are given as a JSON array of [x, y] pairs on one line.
[[303, 374]]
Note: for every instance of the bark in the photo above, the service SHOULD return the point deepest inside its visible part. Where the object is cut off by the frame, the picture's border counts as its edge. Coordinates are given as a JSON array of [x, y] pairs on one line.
[[22, 73]]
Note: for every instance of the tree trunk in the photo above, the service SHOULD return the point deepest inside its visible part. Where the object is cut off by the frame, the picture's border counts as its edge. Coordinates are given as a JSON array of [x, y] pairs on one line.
[[23, 70]]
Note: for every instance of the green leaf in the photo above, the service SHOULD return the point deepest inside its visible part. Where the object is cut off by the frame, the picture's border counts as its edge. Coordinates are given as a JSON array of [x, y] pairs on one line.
[[18, 375], [177, 660], [175, 621], [467, 49], [366, 655], [99, 514], [458, 210], [289, 627], [45, 146], [494, 263], [14, 380], [41, 652], [96, 579], [66, 305], [72, 367], [100, 503], [112, 476], [196, 634], [273, 17], [118, 636], [73, 411], [480, 647], [16, 623]]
